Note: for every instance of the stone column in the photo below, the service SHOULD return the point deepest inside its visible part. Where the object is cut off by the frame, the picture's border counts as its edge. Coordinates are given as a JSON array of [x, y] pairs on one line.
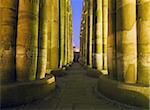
[[62, 23], [49, 23], [8, 24], [86, 32], [90, 33], [143, 33], [81, 44], [111, 51], [94, 34], [84, 36], [83, 39], [42, 40], [27, 40], [69, 37], [99, 37], [54, 40], [66, 32], [126, 40], [105, 32]]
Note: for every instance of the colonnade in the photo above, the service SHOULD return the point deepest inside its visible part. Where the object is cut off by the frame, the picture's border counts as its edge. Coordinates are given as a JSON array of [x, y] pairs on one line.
[[114, 39], [35, 38]]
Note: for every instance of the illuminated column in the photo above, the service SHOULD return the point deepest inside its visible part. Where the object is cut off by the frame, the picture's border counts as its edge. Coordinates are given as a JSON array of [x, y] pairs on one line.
[[91, 33], [126, 40], [143, 32], [94, 35], [86, 32], [82, 40], [54, 40], [81, 45], [49, 23], [69, 40], [99, 45], [105, 32], [8, 19], [111, 51], [69, 37], [83, 34], [42, 40], [62, 23], [27, 40], [66, 32]]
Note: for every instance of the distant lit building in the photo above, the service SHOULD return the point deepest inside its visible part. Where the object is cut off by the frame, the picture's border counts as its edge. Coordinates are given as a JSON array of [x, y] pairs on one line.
[[76, 54]]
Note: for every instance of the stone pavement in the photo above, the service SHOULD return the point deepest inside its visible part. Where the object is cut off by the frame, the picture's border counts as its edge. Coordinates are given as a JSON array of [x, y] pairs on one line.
[[75, 91]]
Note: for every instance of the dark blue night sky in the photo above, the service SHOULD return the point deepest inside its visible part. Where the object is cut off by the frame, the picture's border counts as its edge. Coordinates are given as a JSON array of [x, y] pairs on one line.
[[76, 10]]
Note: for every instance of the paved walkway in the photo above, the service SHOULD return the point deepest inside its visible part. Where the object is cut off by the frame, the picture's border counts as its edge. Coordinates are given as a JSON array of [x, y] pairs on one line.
[[75, 91]]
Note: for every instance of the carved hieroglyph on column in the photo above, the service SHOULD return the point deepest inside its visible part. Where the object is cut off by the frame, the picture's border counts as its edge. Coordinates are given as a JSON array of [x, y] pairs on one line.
[[143, 41], [126, 40], [27, 40], [8, 19]]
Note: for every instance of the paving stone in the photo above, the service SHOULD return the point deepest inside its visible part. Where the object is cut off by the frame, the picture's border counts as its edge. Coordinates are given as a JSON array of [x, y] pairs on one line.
[[75, 91], [83, 106]]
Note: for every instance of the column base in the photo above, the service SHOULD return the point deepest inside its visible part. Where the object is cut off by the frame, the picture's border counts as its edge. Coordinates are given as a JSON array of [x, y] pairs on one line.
[[18, 93], [92, 72], [60, 72], [130, 94]]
